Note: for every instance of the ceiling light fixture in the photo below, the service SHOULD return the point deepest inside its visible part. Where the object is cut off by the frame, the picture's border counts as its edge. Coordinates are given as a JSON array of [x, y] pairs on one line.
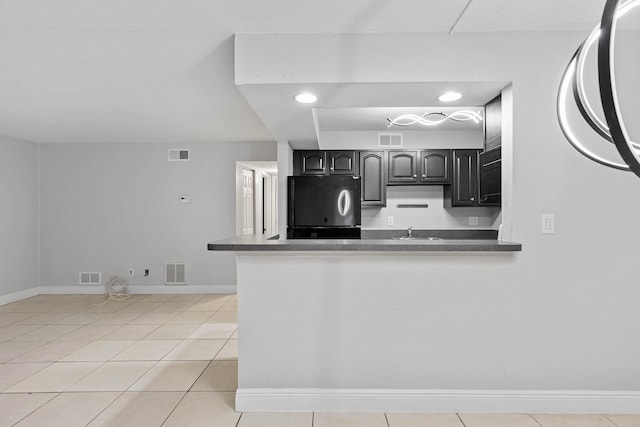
[[572, 81], [427, 118], [306, 98], [449, 96]]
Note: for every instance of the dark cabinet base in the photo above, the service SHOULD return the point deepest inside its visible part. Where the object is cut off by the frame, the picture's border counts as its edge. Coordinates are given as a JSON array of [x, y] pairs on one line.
[[323, 233]]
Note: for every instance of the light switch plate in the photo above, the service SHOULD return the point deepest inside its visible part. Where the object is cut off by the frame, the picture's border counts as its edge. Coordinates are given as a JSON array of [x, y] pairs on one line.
[[473, 220], [389, 220], [184, 199], [548, 224]]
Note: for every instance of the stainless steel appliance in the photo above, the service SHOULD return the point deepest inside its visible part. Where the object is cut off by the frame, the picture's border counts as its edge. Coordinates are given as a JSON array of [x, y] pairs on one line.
[[324, 207]]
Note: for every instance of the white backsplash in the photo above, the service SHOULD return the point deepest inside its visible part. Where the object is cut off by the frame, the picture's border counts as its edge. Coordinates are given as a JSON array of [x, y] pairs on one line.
[[433, 217]]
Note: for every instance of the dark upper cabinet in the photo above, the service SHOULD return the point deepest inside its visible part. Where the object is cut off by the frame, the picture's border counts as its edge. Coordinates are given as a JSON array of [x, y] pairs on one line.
[[419, 167], [343, 162], [373, 179], [491, 177], [463, 190], [403, 167], [318, 162], [493, 123], [435, 167], [491, 159], [310, 163]]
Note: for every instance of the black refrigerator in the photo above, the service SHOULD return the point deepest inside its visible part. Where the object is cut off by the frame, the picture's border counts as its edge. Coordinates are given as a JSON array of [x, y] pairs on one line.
[[323, 207]]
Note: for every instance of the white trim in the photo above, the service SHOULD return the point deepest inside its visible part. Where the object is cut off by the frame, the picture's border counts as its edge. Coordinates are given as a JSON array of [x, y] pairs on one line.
[[383, 400], [20, 295], [183, 289], [99, 290], [141, 289], [72, 290]]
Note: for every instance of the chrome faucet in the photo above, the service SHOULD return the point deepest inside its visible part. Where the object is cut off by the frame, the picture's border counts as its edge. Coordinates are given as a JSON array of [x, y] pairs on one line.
[[409, 231]]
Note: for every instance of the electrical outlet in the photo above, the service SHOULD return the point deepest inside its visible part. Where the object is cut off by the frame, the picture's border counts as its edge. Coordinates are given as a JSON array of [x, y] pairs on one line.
[[131, 272], [548, 224], [389, 220], [473, 220], [146, 272]]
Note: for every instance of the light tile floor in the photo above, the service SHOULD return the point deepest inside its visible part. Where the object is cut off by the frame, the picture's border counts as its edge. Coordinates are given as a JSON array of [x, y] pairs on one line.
[[164, 360]]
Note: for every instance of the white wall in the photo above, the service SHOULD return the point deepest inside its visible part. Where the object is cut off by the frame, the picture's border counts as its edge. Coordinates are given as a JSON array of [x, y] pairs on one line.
[[433, 217], [18, 216], [111, 207], [570, 297]]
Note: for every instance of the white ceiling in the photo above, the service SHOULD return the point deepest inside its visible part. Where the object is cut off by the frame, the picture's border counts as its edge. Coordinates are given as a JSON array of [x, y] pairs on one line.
[[162, 70], [379, 118]]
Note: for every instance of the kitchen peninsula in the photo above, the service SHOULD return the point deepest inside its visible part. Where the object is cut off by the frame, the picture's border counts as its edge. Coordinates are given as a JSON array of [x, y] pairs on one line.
[[363, 325]]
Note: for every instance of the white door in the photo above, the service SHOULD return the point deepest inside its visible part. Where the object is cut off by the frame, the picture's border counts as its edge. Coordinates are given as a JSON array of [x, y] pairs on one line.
[[248, 177], [269, 204]]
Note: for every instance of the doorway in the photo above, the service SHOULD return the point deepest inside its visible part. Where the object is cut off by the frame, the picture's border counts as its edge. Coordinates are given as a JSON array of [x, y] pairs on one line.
[[256, 198]]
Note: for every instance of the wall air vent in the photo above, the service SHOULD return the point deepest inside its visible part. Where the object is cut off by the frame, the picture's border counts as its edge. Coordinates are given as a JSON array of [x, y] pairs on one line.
[[90, 278], [389, 140], [175, 274], [179, 155]]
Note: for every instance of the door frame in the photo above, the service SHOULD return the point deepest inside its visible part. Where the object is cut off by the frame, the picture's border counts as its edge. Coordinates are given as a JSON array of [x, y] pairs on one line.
[[261, 170]]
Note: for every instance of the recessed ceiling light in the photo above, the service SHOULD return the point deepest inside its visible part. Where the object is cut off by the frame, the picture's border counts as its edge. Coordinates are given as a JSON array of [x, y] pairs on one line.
[[449, 96], [306, 98]]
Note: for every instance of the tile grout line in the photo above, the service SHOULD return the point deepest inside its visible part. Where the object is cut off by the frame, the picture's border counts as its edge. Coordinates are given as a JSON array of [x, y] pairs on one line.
[[610, 420], [79, 310], [460, 418], [106, 407], [536, 420], [174, 408], [239, 418], [30, 413]]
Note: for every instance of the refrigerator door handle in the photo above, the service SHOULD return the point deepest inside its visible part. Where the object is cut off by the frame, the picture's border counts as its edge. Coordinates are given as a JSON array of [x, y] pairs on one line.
[[344, 202]]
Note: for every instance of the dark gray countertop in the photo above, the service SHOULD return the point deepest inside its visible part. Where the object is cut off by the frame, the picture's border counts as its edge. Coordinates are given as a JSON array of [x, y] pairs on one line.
[[253, 243]]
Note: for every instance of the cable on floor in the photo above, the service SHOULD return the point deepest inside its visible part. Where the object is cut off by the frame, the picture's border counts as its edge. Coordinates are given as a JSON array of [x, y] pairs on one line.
[[117, 289]]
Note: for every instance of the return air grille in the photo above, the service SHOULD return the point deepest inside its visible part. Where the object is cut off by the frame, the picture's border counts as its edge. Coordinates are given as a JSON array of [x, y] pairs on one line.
[[390, 140], [176, 274], [90, 278]]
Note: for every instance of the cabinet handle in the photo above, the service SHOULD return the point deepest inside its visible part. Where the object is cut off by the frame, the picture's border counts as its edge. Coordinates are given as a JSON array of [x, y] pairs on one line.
[[415, 176], [424, 176], [473, 199]]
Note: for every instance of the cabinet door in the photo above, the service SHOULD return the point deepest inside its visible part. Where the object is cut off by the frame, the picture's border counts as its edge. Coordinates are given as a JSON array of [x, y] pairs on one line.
[[493, 123], [435, 166], [464, 186], [372, 168], [343, 163], [402, 167], [310, 163], [491, 178]]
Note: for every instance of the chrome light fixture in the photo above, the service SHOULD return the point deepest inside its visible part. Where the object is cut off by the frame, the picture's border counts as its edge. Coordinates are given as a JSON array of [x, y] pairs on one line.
[[572, 81], [427, 119]]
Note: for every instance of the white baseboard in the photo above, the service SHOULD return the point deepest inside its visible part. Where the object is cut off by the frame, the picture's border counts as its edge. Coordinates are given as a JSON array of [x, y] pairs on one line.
[[141, 289], [100, 289], [71, 290], [20, 295], [183, 289], [496, 401]]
